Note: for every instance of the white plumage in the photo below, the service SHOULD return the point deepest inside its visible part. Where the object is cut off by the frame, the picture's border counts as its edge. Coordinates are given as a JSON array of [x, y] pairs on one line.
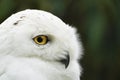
[[36, 45]]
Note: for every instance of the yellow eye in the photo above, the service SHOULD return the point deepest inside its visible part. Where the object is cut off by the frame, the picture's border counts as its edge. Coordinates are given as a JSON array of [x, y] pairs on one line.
[[41, 39]]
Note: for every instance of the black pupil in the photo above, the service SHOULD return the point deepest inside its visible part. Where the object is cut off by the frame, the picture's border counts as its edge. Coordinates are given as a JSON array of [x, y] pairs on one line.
[[39, 39]]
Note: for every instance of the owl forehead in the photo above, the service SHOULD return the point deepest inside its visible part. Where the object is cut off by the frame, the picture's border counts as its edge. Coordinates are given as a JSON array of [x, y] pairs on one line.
[[43, 22], [39, 22], [37, 17]]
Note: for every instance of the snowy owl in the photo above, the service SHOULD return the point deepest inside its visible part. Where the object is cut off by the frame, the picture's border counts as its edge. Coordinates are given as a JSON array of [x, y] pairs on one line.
[[36, 45]]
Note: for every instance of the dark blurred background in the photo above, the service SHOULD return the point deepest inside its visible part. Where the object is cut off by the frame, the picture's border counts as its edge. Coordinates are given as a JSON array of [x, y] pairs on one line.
[[98, 22]]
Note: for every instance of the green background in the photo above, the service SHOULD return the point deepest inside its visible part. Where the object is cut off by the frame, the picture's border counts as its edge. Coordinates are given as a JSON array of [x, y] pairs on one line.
[[97, 21]]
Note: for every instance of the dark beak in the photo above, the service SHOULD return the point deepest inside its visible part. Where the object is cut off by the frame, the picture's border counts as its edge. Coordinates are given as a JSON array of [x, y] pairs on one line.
[[66, 60]]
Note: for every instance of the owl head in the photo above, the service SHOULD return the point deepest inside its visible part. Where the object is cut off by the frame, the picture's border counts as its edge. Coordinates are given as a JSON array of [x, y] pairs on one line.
[[39, 35]]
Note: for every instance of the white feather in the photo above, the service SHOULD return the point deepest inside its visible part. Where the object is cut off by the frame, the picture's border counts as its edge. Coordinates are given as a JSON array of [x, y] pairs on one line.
[[22, 59]]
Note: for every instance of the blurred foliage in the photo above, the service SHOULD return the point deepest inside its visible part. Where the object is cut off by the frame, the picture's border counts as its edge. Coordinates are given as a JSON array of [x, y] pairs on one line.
[[98, 22]]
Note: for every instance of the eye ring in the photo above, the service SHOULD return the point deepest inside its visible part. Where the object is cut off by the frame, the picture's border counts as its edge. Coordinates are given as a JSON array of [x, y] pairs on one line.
[[41, 39]]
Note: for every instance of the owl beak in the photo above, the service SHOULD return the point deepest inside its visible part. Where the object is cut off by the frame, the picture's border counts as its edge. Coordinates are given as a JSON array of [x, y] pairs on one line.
[[66, 60]]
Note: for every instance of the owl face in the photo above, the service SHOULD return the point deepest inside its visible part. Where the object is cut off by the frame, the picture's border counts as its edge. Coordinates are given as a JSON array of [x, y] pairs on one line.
[[41, 35]]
